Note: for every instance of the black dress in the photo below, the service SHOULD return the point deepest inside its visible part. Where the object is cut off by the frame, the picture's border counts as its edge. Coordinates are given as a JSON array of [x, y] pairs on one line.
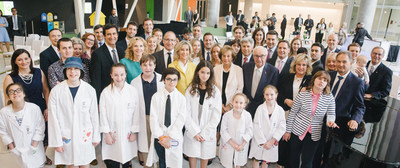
[[194, 18]]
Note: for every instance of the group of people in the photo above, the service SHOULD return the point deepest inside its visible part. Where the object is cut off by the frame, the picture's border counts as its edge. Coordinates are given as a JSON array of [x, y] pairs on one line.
[[10, 27], [157, 97]]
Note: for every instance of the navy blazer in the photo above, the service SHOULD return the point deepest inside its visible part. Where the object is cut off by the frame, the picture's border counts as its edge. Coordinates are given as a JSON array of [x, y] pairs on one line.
[[350, 97], [47, 57], [323, 57], [380, 81], [317, 66], [239, 57], [270, 76], [286, 67], [122, 45], [100, 68], [285, 88]]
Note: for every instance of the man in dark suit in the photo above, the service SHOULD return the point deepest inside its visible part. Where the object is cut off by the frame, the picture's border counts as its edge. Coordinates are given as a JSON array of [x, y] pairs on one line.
[[360, 34], [282, 61], [271, 41], [257, 75], [99, 33], [316, 53], [239, 18], [380, 76], [166, 55], [189, 17], [131, 31], [332, 43], [245, 53], [148, 26], [103, 58], [208, 40], [51, 54], [298, 22], [309, 24], [16, 24], [283, 26]]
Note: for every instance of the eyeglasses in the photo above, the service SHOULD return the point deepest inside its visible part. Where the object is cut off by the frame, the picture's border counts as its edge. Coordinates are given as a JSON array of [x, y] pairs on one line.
[[92, 40], [169, 40], [259, 56], [10, 92], [171, 80]]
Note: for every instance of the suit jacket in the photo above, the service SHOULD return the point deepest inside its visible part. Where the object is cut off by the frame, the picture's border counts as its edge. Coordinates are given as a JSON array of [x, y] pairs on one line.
[[47, 57], [350, 98], [188, 16], [285, 88], [20, 21], [286, 67], [275, 54], [380, 82], [296, 22], [160, 61], [310, 22], [283, 24], [270, 76], [234, 83], [317, 66], [323, 57], [241, 19], [360, 35], [122, 45], [239, 57], [100, 68]]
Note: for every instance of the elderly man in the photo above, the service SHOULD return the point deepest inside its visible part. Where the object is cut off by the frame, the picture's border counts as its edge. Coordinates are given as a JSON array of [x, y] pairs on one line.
[[165, 56], [257, 75], [332, 43], [245, 54]]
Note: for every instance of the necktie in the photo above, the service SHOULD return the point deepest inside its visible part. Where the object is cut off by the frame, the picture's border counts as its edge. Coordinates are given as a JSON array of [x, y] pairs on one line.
[[280, 66], [269, 54], [208, 56], [245, 60], [167, 118], [114, 56], [371, 71], [335, 88], [169, 58], [256, 80]]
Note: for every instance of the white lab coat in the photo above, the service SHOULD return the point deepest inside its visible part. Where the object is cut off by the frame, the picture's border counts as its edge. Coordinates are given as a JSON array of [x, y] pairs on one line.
[[31, 129], [73, 124], [173, 155], [119, 116], [266, 128], [206, 127], [142, 136], [237, 130], [234, 84]]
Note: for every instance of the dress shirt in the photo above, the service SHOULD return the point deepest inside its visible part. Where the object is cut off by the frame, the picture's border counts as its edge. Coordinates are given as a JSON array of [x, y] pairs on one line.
[[256, 79], [248, 58], [341, 82], [56, 50], [270, 54], [329, 51], [278, 60], [205, 55], [166, 56], [15, 20], [127, 41], [111, 53], [375, 66], [100, 43]]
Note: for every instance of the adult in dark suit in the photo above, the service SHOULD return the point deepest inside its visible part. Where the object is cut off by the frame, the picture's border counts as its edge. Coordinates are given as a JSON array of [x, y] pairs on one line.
[[103, 58], [309, 24], [298, 22], [245, 53], [380, 76], [131, 31], [332, 43], [239, 18], [317, 50], [360, 34], [189, 17], [257, 75], [16, 24], [282, 61], [271, 40], [208, 41], [165, 56], [283, 26], [50, 55], [148, 26]]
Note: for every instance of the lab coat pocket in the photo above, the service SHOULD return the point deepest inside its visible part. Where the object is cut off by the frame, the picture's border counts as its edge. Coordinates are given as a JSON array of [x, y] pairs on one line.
[[85, 105]]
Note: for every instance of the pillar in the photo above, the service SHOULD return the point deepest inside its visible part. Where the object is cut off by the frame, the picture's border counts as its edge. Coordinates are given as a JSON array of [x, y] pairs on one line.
[[99, 3], [79, 17], [347, 13], [248, 10], [366, 13], [212, 12]]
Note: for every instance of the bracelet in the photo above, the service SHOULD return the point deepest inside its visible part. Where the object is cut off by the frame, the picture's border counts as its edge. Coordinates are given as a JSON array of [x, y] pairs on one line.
[[161, 138]]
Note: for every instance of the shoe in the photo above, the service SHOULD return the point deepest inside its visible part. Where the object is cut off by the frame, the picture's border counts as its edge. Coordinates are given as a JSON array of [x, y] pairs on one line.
[[94, 162], [48, 161], [185, 157], [60, 166], [210, 161]]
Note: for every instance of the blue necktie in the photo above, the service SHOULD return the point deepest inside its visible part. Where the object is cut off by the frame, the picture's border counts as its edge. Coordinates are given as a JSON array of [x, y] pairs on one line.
[[208, 56], [335, 88]]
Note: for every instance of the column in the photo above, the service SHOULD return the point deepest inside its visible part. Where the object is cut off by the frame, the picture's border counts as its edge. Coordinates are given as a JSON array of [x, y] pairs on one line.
[[79, 17], [99, 3], [212, 12], [347, 13], [248, 10], [366, 13]]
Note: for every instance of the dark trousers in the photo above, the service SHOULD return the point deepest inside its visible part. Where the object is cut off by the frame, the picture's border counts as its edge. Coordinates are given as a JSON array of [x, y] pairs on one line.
[[160, 150], [318, 37], [283, 153], [228, 28], [114, 164], [306, 148], [15, 33], [283, 33], [309, 33]]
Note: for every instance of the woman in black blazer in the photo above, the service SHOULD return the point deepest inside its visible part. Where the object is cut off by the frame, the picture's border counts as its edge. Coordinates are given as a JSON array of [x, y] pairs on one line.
[[289, 86]]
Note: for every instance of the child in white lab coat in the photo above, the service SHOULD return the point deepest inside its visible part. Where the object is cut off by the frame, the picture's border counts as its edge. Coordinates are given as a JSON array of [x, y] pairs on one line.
[[236, 133], [22, 128], [203, 102], [269, 127], [119, 119]]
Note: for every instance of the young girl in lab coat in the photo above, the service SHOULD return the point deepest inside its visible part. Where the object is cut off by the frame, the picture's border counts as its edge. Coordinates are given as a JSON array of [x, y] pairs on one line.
[[73, 118], [203, 103], [119, 119], [22, 128], [236, 133], [269, 127]]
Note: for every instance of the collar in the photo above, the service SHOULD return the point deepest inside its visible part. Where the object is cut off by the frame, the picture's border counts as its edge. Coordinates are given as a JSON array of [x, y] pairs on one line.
[[344, 76], [166, 52], [152, 81], [127, 41], [110, 49], [284, 60], [184, 67], [166, 93], [329, 50], [56, 50], [272, 49], [248, 57], [258, 69], [375, 66]]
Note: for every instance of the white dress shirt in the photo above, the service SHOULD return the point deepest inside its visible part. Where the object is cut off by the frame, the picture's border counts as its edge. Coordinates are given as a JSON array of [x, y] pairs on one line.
[[166, 56], [341, 82], [111, 53], [56, 50]]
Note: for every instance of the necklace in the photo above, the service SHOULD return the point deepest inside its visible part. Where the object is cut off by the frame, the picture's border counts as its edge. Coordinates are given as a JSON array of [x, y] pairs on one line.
[[27, 79]]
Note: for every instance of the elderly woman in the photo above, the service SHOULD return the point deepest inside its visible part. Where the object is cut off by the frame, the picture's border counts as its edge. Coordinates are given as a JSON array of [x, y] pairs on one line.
[[196, 56], [289, 86], [136, 49], [295, 44], [90, 45], [330, 64], [216, 54], [79, 51], [259, 37], [184, 66], [304, 124]]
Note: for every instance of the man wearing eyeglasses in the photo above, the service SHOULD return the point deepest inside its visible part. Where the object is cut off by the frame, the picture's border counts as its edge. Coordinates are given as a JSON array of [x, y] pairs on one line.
[[166, 55], [257, 75]]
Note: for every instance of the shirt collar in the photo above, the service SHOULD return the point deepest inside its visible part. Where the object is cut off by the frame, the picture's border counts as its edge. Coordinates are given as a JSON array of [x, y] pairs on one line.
[[344, 76], [109, 48], [284, 60], [166, 52], [127, 41], [258, 69], [375, 66], [56, 50], [272, 49]]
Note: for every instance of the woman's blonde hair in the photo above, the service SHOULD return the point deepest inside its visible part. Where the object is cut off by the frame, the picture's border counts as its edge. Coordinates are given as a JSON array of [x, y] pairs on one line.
[[246, 100], [179, 47], [129, 53], [200, 54], [297, 59], [330, 56], [219, 54]]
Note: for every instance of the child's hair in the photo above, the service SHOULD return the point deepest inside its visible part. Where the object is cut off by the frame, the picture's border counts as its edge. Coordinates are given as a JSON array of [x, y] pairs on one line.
[[196, 79], [8, 88], [116, 66], [147, 58], [270, 87], [362, 59], [246, 100], [170, 71]]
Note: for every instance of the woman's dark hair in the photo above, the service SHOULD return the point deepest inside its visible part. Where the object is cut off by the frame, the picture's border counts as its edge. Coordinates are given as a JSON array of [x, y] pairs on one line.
[[8, 88], [302, 50], [255, 33], [196, 79], [14, 66], [170, 71], [1, 13], [65, 74], [325, 75]]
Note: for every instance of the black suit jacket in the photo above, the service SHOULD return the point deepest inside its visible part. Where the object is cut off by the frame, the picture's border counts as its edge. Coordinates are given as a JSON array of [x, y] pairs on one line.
[[286, 67], [310, 22], [360, 35], [47, 57], [317, 66], [21, 26], [239, 57], [285, 88], [275, 54], [296, 22], [270, 76], [380, 82], [283, 24], [323, 57], [160, 61], [241, 19], [100, 68], [122, 45]]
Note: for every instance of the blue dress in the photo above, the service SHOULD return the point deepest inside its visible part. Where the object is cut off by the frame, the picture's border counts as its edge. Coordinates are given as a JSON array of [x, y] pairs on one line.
[[34, 90], [3, 31]]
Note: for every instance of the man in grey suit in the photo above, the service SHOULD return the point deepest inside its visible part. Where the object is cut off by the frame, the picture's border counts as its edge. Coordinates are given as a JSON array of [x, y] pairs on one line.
[[189, 18]]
